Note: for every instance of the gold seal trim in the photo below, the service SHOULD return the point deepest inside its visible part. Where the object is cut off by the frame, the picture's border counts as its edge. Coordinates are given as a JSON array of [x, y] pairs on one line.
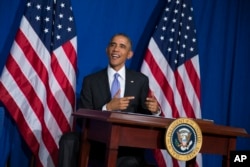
[[183, 139]]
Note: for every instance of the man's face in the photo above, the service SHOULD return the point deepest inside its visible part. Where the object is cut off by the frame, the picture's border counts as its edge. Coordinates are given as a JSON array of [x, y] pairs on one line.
[[118, 51]]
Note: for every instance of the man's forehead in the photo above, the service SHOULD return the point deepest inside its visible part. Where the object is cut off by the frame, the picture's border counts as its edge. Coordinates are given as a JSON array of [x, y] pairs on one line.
[[119, 39]]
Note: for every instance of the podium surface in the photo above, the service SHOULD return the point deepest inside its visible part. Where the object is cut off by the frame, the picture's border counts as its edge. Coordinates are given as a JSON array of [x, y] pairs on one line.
[[146, 131]]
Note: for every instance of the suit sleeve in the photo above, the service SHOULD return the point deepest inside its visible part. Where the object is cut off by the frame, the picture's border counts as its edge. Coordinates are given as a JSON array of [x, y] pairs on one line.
[[85, 100], [144, 94]]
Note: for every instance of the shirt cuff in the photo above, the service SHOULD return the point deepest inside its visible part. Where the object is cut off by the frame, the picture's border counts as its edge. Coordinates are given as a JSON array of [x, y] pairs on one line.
[[104, 108], [158, 113]]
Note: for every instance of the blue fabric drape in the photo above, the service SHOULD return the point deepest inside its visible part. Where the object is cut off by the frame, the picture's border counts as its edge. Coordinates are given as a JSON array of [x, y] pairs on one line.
[[223, 30], [14, 150]]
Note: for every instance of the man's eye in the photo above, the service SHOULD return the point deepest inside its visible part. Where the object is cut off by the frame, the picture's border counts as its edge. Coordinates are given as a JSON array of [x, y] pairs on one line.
[[122, 46]]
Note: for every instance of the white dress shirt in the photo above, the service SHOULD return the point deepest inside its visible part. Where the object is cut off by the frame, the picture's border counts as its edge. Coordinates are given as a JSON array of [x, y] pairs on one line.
[[121, 79]]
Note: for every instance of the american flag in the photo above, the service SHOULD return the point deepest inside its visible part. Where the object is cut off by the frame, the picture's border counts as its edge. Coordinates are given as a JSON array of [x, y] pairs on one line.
[[171, 62], [38, 81]]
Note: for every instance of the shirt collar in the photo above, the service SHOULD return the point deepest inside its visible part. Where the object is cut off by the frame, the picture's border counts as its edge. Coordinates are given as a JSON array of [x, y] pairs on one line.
[[121, 72]]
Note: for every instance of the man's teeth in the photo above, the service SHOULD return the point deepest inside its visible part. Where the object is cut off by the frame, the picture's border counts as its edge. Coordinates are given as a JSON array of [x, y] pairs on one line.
[[115, 56]]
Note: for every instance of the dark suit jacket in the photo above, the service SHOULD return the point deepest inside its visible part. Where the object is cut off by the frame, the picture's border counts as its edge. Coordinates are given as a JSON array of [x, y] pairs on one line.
[[95, 94], [95, 91]]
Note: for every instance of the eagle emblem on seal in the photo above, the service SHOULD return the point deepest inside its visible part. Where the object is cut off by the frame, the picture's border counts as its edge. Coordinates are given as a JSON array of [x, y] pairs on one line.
[[184, 136], [183, 139]]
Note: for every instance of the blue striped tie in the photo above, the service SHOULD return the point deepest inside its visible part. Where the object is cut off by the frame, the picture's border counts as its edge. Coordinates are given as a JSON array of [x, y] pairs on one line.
[[115, 85]]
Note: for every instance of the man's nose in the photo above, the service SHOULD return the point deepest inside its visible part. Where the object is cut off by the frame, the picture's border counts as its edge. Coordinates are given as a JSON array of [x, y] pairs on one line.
[[116, 47]]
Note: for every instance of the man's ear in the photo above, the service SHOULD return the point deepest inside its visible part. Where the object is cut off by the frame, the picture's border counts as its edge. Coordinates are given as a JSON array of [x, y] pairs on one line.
[[106, 51], [131, 53]]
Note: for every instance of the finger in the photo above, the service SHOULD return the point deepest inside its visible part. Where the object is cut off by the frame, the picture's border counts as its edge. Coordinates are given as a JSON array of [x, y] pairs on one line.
[[130, 97], [150, 99]]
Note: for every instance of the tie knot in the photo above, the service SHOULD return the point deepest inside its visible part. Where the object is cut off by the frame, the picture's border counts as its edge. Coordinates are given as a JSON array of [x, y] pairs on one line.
[[116, 75]]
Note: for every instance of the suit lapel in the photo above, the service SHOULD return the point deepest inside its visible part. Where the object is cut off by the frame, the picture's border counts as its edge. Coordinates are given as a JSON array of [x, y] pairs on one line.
[[105, 92], [130, 84]]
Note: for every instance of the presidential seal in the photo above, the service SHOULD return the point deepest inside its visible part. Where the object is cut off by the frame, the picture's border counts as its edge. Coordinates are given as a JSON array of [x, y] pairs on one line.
[[183, 139]]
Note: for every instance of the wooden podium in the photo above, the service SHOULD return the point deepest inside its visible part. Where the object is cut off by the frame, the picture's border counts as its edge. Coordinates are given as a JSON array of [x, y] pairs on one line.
[[124, 129]]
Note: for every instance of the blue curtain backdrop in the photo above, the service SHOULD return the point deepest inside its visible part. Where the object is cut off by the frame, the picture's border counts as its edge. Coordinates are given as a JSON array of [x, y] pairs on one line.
[[223, 29]]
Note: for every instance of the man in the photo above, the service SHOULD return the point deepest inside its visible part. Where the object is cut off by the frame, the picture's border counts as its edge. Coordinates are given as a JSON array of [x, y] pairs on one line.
[[130, 96]]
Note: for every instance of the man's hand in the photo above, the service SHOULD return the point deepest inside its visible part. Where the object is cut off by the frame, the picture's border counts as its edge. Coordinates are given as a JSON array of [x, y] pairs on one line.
[[118, 103], [152, 104]]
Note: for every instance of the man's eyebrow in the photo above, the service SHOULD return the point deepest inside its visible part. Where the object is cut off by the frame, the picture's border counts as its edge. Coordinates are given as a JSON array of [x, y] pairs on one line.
[[112, 42], [121, 44], [124, 45]]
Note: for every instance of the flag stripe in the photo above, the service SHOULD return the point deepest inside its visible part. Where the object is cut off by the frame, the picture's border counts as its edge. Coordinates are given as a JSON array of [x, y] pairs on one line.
[[61, 77], [168, 78], [194, 77], [42, 72], [188, 112], [38, 81], [160, 158], [17, 115], [44, 58], [175, 104], [154, 86], [172, 65], [34, 102], [160, 77], [28, 126], [70, 50]]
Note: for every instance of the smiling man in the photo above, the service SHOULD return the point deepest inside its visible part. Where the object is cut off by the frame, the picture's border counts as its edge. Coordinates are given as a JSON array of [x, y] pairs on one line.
[[131, 90]]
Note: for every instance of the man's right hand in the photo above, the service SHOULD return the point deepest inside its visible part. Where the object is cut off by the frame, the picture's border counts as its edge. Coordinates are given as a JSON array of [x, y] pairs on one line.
[[118, 103]]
